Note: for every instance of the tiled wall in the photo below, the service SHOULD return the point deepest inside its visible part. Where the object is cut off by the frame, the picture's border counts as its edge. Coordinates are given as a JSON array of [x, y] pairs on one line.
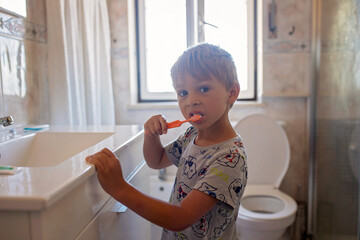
[[23, 65], [287, 51], [286, 77]]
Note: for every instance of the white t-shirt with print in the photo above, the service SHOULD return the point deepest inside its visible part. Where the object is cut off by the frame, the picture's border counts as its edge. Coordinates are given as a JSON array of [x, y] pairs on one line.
[[220, 171]]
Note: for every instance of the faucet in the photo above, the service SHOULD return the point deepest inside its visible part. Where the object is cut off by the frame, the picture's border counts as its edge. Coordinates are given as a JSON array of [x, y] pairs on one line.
[[6, 121], [162, 174]]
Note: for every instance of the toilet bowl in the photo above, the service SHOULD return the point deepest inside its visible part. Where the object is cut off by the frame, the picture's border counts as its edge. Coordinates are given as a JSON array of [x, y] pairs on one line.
[[265, 212]]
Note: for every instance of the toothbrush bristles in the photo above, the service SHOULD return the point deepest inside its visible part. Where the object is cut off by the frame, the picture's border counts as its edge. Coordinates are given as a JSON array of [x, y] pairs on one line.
[[195, 118]]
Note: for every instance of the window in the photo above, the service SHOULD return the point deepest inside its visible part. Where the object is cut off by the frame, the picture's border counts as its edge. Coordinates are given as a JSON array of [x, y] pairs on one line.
[[165, 28]]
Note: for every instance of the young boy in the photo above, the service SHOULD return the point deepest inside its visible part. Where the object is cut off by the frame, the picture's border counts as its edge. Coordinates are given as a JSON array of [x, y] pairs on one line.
[[210, 156]]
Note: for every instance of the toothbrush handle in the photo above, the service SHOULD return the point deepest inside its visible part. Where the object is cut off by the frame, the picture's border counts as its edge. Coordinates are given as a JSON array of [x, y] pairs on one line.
[[175, 124]]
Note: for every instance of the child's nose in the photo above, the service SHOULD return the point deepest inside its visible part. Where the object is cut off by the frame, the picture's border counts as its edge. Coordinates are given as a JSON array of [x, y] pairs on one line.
[[192, 100]]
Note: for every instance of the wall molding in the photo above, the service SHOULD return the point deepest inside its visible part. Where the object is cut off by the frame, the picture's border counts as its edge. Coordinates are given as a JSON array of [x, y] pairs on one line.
[[286, 46], [19, 28]]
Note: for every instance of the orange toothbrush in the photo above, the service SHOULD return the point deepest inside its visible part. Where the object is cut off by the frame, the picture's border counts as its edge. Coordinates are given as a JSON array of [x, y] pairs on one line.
[[178, 123]]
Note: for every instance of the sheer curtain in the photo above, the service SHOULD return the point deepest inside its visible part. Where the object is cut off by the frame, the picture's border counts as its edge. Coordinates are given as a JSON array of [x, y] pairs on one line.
[[80, 85]]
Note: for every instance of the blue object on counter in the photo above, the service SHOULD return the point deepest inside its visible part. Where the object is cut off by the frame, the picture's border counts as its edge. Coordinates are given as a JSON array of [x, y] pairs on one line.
[[33, 128], [36, 128]]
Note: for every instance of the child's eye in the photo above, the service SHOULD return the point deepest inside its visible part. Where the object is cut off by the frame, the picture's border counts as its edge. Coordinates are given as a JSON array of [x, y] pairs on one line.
[[204, 89], [182, 93]]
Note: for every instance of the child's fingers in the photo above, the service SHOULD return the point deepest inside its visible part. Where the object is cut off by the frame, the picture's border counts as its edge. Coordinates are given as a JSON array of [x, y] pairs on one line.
[[154, 128], [99, 166], [158, 128], [156, 125], [150, 129], [109, 157], [101, 159], [108, 153], [163, 123]]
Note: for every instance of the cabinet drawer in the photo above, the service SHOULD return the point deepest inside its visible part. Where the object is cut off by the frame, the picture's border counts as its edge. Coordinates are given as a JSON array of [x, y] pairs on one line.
[[111, 225], [130, 155]]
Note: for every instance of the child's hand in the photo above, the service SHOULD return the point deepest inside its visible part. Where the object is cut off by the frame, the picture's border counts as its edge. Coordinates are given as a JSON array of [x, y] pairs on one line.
[[108, 170], [155, 126]]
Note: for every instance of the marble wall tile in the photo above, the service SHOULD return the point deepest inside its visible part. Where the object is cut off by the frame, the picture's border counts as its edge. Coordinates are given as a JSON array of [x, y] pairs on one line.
[[286, 58], [286, 74], [292, 20], [284, 46], [118, 22], [37, 79], [36, 12]]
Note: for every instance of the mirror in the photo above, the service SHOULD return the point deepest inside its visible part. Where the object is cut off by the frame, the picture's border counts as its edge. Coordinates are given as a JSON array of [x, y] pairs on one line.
[[17, 7]]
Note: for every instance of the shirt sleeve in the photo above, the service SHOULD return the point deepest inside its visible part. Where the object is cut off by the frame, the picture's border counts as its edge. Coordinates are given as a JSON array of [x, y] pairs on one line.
[[225, 177], [175, 149]]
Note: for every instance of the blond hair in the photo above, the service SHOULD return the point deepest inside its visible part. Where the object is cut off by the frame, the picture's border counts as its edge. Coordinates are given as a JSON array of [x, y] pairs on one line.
[[204, 61]]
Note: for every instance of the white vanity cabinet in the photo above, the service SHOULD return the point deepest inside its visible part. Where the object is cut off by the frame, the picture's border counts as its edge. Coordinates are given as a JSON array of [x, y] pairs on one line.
[[124, 224], [66, 201]]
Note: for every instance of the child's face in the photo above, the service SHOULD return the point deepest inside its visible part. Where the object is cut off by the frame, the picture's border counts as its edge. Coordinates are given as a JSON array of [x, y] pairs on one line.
[[209, 98]]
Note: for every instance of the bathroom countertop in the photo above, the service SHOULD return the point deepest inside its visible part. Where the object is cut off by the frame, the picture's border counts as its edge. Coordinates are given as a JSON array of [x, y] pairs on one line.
[[36, 188]]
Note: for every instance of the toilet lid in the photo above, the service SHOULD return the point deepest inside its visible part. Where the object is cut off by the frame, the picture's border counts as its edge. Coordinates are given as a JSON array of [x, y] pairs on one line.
[[267, 147]]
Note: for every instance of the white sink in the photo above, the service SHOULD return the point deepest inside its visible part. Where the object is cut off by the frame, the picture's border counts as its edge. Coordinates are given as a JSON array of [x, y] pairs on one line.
[[45, 149]]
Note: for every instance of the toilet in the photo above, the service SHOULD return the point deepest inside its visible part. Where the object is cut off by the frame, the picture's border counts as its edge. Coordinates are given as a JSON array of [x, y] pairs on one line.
[[265, 212]]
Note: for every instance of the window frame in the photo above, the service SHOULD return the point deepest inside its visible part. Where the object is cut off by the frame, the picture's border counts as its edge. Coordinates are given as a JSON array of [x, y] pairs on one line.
[[192, 10]]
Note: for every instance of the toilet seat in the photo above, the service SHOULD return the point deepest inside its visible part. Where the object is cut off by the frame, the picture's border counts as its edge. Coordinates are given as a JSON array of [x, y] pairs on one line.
[[258, 191]]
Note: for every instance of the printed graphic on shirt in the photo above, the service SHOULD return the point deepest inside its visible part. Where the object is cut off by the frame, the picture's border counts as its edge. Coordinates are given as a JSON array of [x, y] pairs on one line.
[[189, 131], [244, 170], [222, 198], [182, 191], [238, 144], [207, 156], [190, 167], [223, 176], [208, 189], [202, 152], [202, 226], [219, 230], [202, 172], [181, 236], [176, 149], [231, 159], [225, 212], [235, 189]]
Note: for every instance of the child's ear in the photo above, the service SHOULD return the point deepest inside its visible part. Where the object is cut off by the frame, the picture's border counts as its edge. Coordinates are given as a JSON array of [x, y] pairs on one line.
[[234, 92]]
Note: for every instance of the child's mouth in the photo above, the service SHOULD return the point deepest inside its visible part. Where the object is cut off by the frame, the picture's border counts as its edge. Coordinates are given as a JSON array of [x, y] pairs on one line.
[[200, 114]]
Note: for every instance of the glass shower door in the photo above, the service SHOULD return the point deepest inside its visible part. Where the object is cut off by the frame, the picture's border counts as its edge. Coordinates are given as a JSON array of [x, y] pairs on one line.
[[337, 122]]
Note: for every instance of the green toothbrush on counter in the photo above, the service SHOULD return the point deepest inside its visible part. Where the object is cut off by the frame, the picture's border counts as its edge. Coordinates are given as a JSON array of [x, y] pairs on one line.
[[6, 168]]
